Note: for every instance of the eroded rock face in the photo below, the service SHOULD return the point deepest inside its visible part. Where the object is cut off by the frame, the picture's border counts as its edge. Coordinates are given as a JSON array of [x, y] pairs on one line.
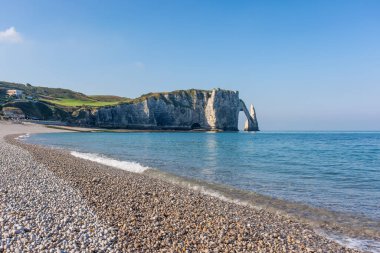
[[251, 123], [180, 110]]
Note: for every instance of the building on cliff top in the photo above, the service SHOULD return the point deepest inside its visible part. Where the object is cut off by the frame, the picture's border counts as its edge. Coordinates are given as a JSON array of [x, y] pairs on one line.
[[16, 93]]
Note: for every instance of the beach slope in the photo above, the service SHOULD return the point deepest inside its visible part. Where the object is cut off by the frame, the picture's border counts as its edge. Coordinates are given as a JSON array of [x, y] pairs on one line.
[[52, 200]]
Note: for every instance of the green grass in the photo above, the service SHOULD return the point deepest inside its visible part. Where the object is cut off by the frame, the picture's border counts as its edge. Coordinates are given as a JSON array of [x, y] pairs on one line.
[[78, 102], [108, 98]]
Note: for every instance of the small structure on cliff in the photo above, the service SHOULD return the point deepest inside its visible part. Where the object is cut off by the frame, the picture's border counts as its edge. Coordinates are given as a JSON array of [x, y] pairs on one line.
[[15, 93], [178, 110]]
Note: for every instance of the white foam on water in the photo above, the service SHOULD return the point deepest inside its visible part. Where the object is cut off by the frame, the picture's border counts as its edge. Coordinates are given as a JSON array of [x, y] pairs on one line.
[[216, 194], [123, 165], [366, 245], [24, 136]]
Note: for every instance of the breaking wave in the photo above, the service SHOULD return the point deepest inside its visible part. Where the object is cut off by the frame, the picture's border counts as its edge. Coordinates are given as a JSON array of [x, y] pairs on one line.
[[366, 245], [24, 136], [123, 165]]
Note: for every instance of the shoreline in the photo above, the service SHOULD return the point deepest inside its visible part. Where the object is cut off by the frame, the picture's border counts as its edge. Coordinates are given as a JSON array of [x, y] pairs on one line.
[[347, 229], [163, 215], [121, 130]]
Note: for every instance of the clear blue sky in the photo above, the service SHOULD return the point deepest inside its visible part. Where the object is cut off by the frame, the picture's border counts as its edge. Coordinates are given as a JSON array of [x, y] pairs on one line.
[[306, 65]]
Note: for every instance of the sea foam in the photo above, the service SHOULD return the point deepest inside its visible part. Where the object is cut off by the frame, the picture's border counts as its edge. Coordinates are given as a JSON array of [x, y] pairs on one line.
[[123, 165], [366, 245], [22, 137]]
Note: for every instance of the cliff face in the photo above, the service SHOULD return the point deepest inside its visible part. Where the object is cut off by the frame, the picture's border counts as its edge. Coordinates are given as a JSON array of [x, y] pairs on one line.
[[179, 110], [39, 110]]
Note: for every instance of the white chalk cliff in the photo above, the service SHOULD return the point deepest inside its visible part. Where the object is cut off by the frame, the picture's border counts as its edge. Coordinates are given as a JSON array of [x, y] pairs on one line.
[[179, 110]]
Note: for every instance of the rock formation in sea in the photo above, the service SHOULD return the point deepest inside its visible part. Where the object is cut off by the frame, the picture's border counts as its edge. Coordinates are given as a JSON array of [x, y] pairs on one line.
[[251, 123], [215, 109]]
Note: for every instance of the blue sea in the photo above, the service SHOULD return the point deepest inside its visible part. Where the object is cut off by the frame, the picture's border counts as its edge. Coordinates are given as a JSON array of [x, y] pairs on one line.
[[331, 175]]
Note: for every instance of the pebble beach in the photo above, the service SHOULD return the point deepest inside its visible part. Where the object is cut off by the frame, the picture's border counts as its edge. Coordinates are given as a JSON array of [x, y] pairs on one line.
[[54, 202]]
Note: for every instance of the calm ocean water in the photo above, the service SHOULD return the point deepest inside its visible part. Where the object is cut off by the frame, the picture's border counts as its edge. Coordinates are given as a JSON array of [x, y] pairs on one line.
[[337, 171]]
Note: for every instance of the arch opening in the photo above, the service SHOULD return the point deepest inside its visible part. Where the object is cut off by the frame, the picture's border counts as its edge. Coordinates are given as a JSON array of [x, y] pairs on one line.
[[242, 118], [195, 126], [251, 123]]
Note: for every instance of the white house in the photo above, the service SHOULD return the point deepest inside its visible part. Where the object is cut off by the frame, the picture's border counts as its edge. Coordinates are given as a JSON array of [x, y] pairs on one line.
[[16, 93]]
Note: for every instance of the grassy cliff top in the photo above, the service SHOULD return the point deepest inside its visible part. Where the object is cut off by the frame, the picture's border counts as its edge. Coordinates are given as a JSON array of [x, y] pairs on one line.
[[69, 98], [62, 97], [38, 91]]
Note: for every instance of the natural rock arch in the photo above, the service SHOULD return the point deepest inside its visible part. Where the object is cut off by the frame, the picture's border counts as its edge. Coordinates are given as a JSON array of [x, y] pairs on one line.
[[215, 109], [251, 123]]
